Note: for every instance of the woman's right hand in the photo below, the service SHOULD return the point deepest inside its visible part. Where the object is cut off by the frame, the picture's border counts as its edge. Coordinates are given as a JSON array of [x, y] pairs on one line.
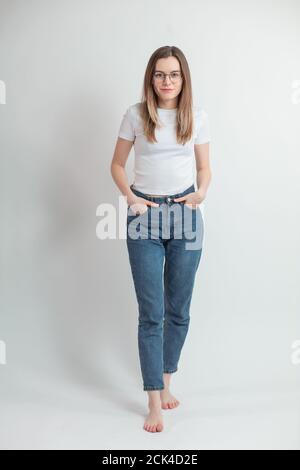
[[138, 205]]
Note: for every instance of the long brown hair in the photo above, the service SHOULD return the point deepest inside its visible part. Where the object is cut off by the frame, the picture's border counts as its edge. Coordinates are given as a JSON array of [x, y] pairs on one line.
[[149, 101]]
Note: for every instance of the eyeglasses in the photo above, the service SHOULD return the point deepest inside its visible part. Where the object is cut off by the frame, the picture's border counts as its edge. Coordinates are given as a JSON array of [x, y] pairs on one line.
[[160, 76]]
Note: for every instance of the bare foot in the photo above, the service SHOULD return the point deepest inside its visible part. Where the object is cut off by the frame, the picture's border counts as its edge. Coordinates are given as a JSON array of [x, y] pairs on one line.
[[154, 420], [168, 401]]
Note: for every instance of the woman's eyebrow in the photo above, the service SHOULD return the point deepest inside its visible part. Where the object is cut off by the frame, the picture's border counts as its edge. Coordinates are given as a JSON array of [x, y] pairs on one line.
[[164, 72]]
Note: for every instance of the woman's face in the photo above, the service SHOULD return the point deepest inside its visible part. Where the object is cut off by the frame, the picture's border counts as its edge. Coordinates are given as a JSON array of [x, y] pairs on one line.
[[166, 89]]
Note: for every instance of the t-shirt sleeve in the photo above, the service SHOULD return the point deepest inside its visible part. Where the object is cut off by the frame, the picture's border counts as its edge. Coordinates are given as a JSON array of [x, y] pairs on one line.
[[203, 130], [126, 129]]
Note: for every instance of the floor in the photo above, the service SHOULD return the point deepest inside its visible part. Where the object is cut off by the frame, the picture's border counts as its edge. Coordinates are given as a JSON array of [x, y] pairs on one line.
[[46, 414]]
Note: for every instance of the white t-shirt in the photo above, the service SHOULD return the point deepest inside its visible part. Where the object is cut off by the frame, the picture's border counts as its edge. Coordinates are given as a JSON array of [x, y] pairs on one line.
[[165, 167]]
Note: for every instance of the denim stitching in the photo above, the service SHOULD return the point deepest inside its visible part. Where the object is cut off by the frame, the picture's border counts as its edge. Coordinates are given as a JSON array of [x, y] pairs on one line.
[[149, 387]]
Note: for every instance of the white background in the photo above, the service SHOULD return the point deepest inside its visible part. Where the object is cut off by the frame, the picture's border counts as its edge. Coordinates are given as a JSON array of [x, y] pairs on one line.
[[68, 308]]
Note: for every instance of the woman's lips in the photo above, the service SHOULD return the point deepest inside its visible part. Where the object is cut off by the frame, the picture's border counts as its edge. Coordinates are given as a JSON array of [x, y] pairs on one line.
[[166, 90]]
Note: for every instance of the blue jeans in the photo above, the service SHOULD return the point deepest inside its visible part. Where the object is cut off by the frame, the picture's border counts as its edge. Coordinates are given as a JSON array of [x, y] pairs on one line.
[[164, 254]]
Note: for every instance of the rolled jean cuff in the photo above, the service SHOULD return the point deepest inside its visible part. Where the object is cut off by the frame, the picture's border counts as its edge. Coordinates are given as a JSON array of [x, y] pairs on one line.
[[153, 387], [170, 371]]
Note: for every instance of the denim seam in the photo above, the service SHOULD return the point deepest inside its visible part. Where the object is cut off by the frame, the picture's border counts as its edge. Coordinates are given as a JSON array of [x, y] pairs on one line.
[[170, 371], [149, 387]]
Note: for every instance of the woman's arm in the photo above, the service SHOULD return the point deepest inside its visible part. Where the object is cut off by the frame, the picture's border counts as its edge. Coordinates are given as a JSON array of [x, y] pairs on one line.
[[117, 168], [203, 168]]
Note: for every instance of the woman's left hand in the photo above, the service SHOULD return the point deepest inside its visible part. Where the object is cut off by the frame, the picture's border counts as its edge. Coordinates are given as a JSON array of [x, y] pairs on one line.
[[192, 199]]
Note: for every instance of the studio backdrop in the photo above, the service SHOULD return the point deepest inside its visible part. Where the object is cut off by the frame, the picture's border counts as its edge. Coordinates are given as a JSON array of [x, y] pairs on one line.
[[70, 374]]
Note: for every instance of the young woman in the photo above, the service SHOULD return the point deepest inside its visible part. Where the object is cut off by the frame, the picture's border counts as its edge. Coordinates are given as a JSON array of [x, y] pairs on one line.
[[168, 133]]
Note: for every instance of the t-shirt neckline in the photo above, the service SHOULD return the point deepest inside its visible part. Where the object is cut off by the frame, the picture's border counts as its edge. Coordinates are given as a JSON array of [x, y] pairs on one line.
[[172, 110]]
